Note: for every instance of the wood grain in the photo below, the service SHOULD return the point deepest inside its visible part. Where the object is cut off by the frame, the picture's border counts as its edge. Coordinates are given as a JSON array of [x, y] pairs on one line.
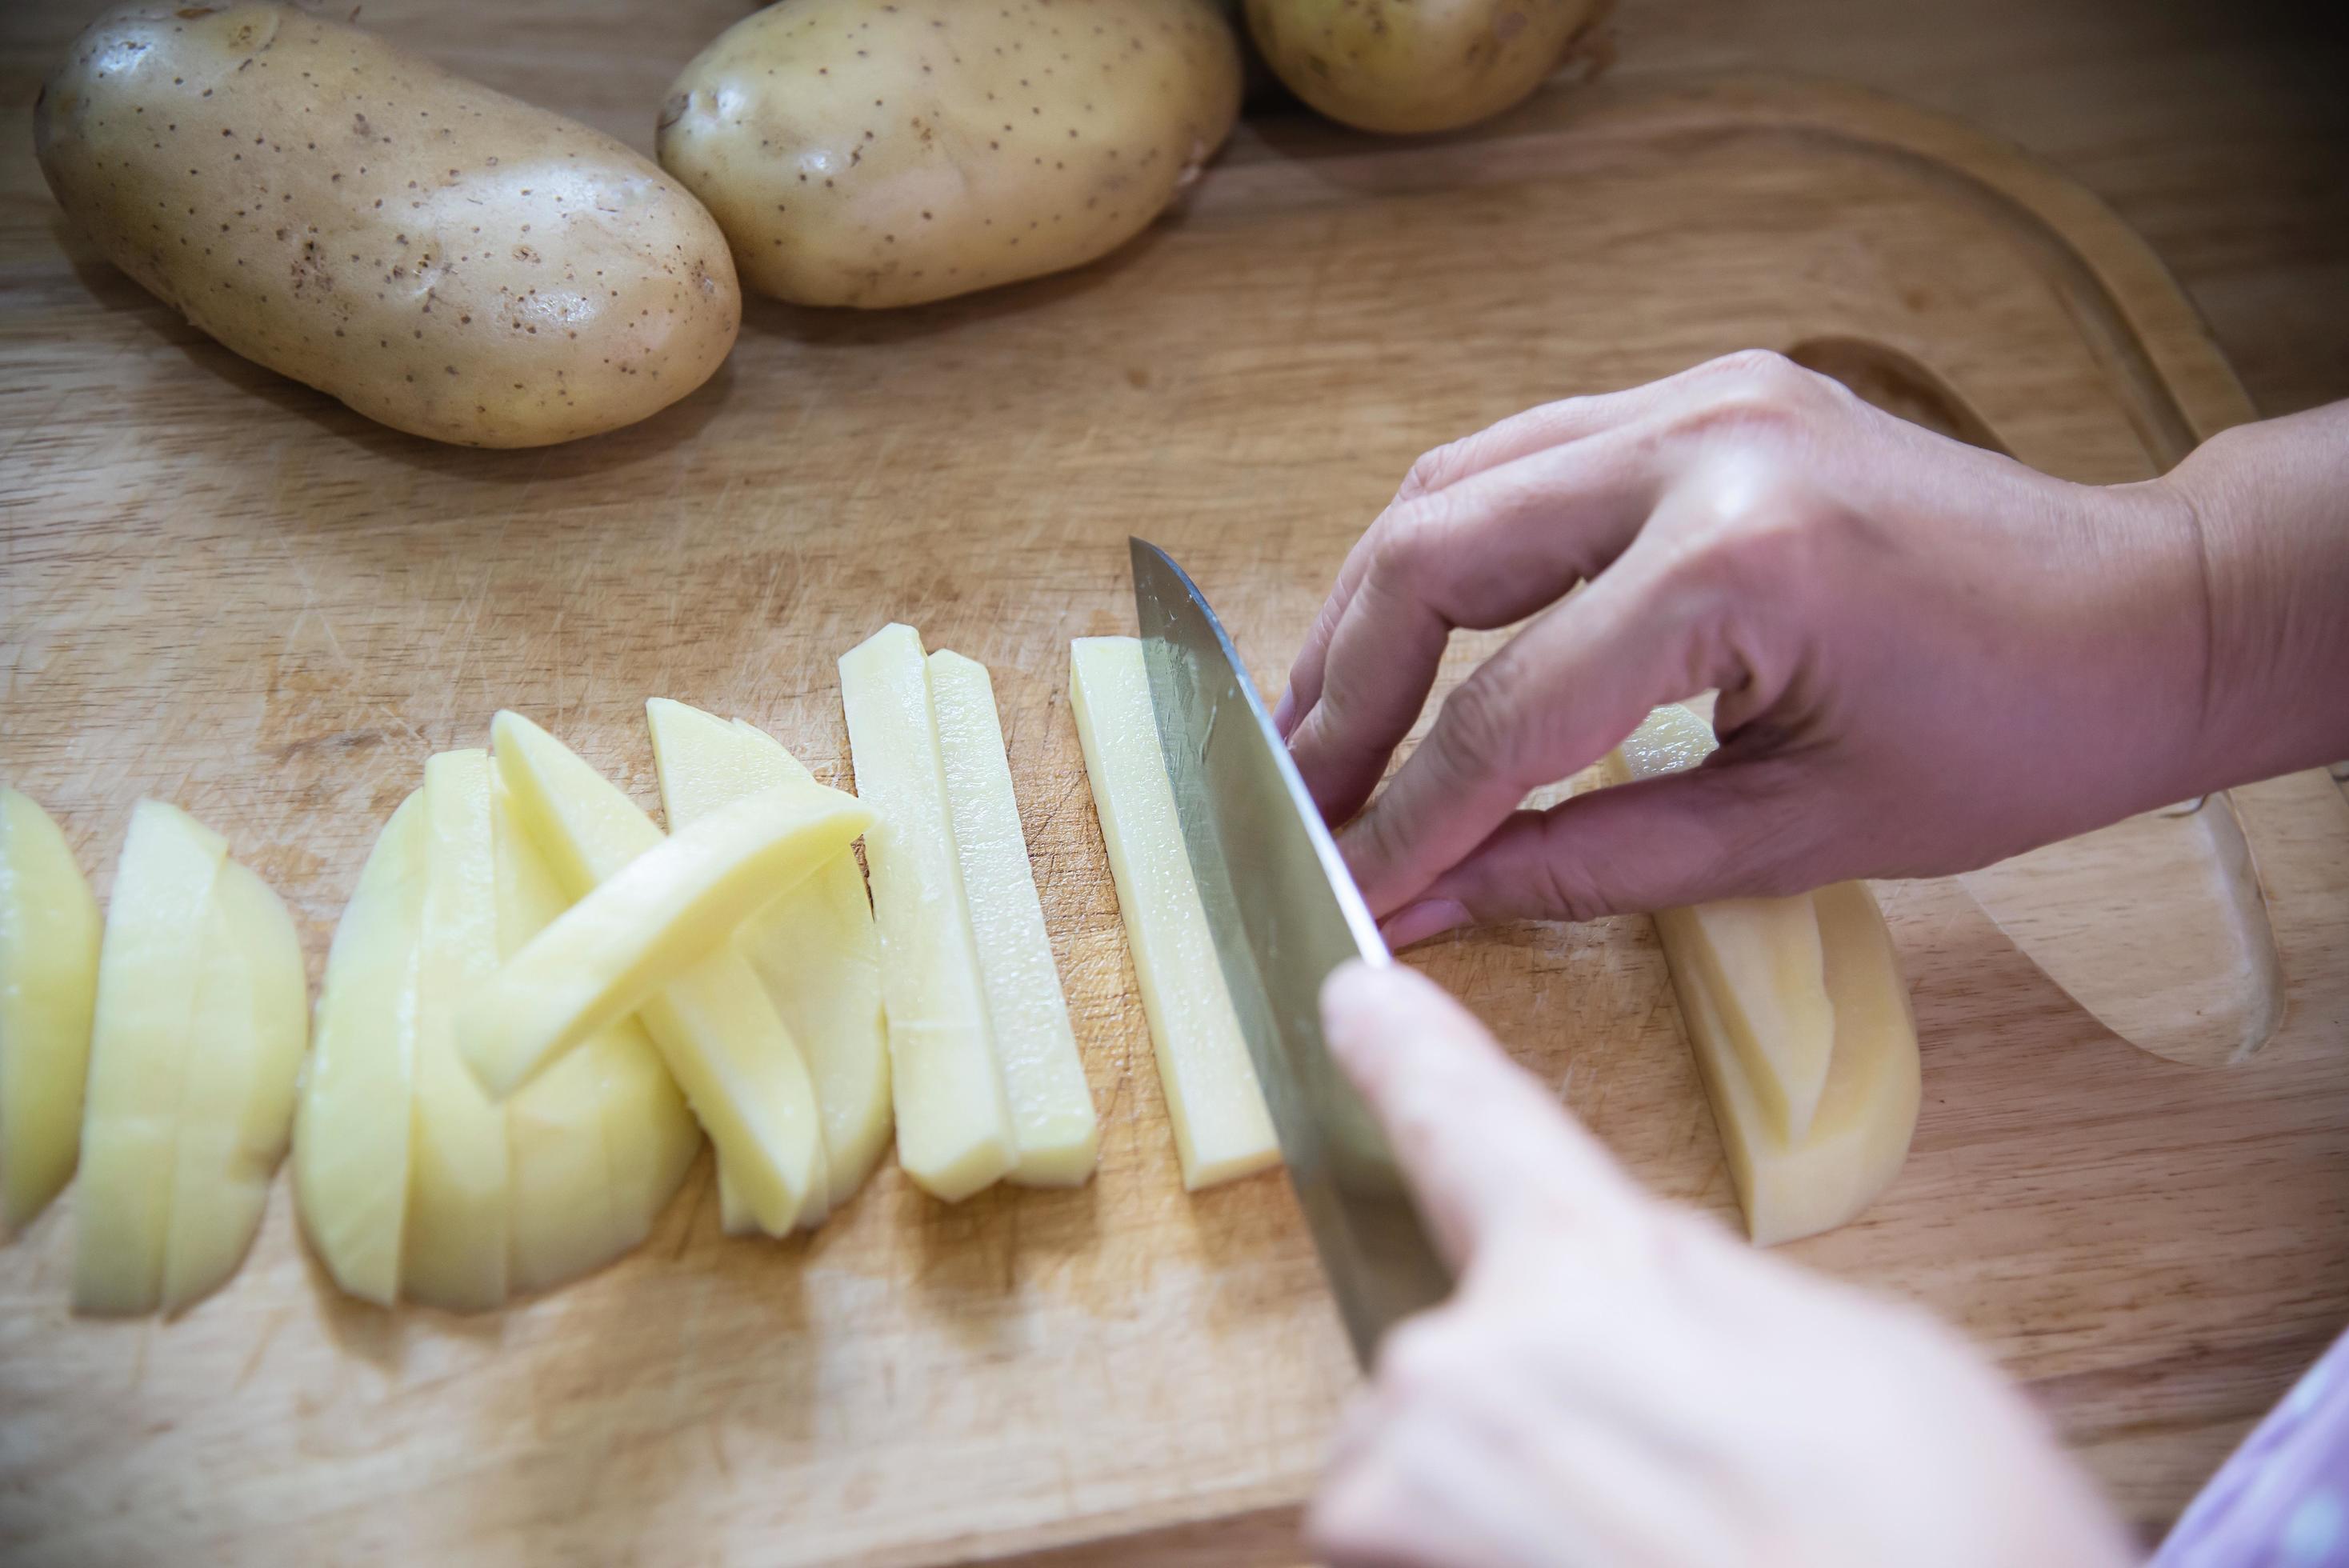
[[227, 591]]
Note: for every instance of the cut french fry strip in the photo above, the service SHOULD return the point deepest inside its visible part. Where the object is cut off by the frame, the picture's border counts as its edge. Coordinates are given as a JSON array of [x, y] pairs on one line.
[[351, 1130], [814, 948], [1052, 1116], [49, 931], [954, 1127], [1222, 1129], [657, 917], [721, 1037], [149, 969]]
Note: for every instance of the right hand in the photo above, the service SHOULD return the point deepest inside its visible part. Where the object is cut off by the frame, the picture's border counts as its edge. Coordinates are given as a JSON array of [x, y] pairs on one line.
[[1618, 1380], [1928, 657]]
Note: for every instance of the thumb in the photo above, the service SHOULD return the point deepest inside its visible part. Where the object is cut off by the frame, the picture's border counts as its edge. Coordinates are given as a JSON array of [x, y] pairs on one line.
[[1486, 1148], [1745, 829]]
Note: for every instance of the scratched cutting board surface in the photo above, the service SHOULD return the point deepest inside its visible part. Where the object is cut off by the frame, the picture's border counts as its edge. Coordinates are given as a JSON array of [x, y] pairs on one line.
[[226, 591]]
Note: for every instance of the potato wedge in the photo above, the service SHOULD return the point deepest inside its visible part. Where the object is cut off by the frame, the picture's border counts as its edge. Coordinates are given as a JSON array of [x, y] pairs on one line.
[[814, 949], [351, 1131], [150, 970], [717, 1031], [49, 931]]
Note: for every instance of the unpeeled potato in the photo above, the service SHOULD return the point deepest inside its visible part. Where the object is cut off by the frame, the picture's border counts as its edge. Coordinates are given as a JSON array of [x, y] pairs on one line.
[[440, 257], [863, 153], [1414, 65]]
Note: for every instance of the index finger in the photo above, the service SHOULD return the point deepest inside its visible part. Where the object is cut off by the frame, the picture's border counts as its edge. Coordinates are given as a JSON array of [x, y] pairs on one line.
[[1486, 1148]]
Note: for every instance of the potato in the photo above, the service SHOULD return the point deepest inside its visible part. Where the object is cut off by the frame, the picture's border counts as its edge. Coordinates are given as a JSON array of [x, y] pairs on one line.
[[1414, 65], [860, 153], [440, 257]]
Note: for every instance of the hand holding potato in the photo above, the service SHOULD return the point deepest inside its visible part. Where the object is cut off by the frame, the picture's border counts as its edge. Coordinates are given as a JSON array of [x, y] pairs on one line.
[[1617, 1381], [1928, 657]]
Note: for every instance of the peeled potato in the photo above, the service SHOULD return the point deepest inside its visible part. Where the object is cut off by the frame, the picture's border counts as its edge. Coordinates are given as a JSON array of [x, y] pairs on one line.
[[886, 152], [48, 985], [1414, 65], [440, 257]]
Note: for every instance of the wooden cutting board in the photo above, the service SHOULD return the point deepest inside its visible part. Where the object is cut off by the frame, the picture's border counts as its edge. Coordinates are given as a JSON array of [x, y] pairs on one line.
[[225, 590]]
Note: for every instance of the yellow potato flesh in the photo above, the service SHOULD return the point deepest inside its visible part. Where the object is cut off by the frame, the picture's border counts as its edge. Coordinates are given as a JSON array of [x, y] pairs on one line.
[[1852, 1144], [651, 921], [1222, 1129], [49, 931], [251, 1024], [351, 1132], [1052, 1117], [1868, 1114], [596, 1144], [721, 1037], [149, 969], [1759, 957], [814, 948], [954, 1127], [455, 1250], [859, 153]]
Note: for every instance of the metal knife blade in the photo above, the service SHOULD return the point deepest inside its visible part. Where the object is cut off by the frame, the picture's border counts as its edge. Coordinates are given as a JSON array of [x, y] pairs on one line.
[[1284, 913]]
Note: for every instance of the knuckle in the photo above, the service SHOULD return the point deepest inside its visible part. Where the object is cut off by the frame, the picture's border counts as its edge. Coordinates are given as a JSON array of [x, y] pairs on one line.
[[1433, 470], [1564, 883], [1421, 1359], [1477, 727], [1410, 538]]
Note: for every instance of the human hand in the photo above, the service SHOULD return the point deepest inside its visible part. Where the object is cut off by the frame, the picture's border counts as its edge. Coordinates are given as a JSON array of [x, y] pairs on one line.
[[1929, 655], [1617, 1381]]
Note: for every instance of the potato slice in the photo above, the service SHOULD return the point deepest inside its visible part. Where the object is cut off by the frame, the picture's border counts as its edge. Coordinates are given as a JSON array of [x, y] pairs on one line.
[[596, 1145], [814, 948], [48, 985], [351, 1131], [1053, 1119], [1222, 1129], [455, 1249], [1760, 957], [251, 1026], [649, 922], [1868, 1114], [718, 1034], [150, 966], [954, 1127]]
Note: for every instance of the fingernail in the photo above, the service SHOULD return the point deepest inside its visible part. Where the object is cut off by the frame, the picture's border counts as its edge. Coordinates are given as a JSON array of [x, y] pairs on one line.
[[1415, 922], [1284, 712]]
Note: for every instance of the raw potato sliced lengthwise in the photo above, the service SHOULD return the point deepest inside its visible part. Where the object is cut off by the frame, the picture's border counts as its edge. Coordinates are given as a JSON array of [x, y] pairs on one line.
[[1222, 1129], [197, 1038], [48, 985], [721, 1037], [954, 1127], [1787, 991], [814, 947], [442, 1196], [1053, 1119]]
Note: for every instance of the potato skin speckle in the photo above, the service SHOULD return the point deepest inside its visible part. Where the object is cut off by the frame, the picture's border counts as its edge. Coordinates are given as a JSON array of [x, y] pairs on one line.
[[1405, 65], [865, 153], [443, 258]]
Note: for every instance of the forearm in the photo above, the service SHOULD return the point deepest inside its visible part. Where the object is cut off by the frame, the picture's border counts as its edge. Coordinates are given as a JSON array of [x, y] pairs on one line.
[[2273, 503]]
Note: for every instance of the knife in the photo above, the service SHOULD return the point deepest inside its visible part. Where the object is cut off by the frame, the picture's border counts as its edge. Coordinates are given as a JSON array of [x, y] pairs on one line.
[[1284, 913]]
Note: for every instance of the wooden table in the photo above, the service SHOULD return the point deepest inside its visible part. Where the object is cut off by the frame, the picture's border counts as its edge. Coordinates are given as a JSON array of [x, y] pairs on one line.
[[221, 588]]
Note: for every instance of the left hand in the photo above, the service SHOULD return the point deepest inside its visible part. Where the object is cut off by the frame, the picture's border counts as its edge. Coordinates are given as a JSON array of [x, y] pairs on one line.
[[1616, 1380]]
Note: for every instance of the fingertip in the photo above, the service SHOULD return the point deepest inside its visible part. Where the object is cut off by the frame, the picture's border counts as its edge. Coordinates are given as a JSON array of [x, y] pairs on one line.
[[1284, 712], [1416, 922]]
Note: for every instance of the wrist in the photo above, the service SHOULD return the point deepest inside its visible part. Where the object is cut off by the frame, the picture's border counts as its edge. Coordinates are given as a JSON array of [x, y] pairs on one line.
[[2269, 509]]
